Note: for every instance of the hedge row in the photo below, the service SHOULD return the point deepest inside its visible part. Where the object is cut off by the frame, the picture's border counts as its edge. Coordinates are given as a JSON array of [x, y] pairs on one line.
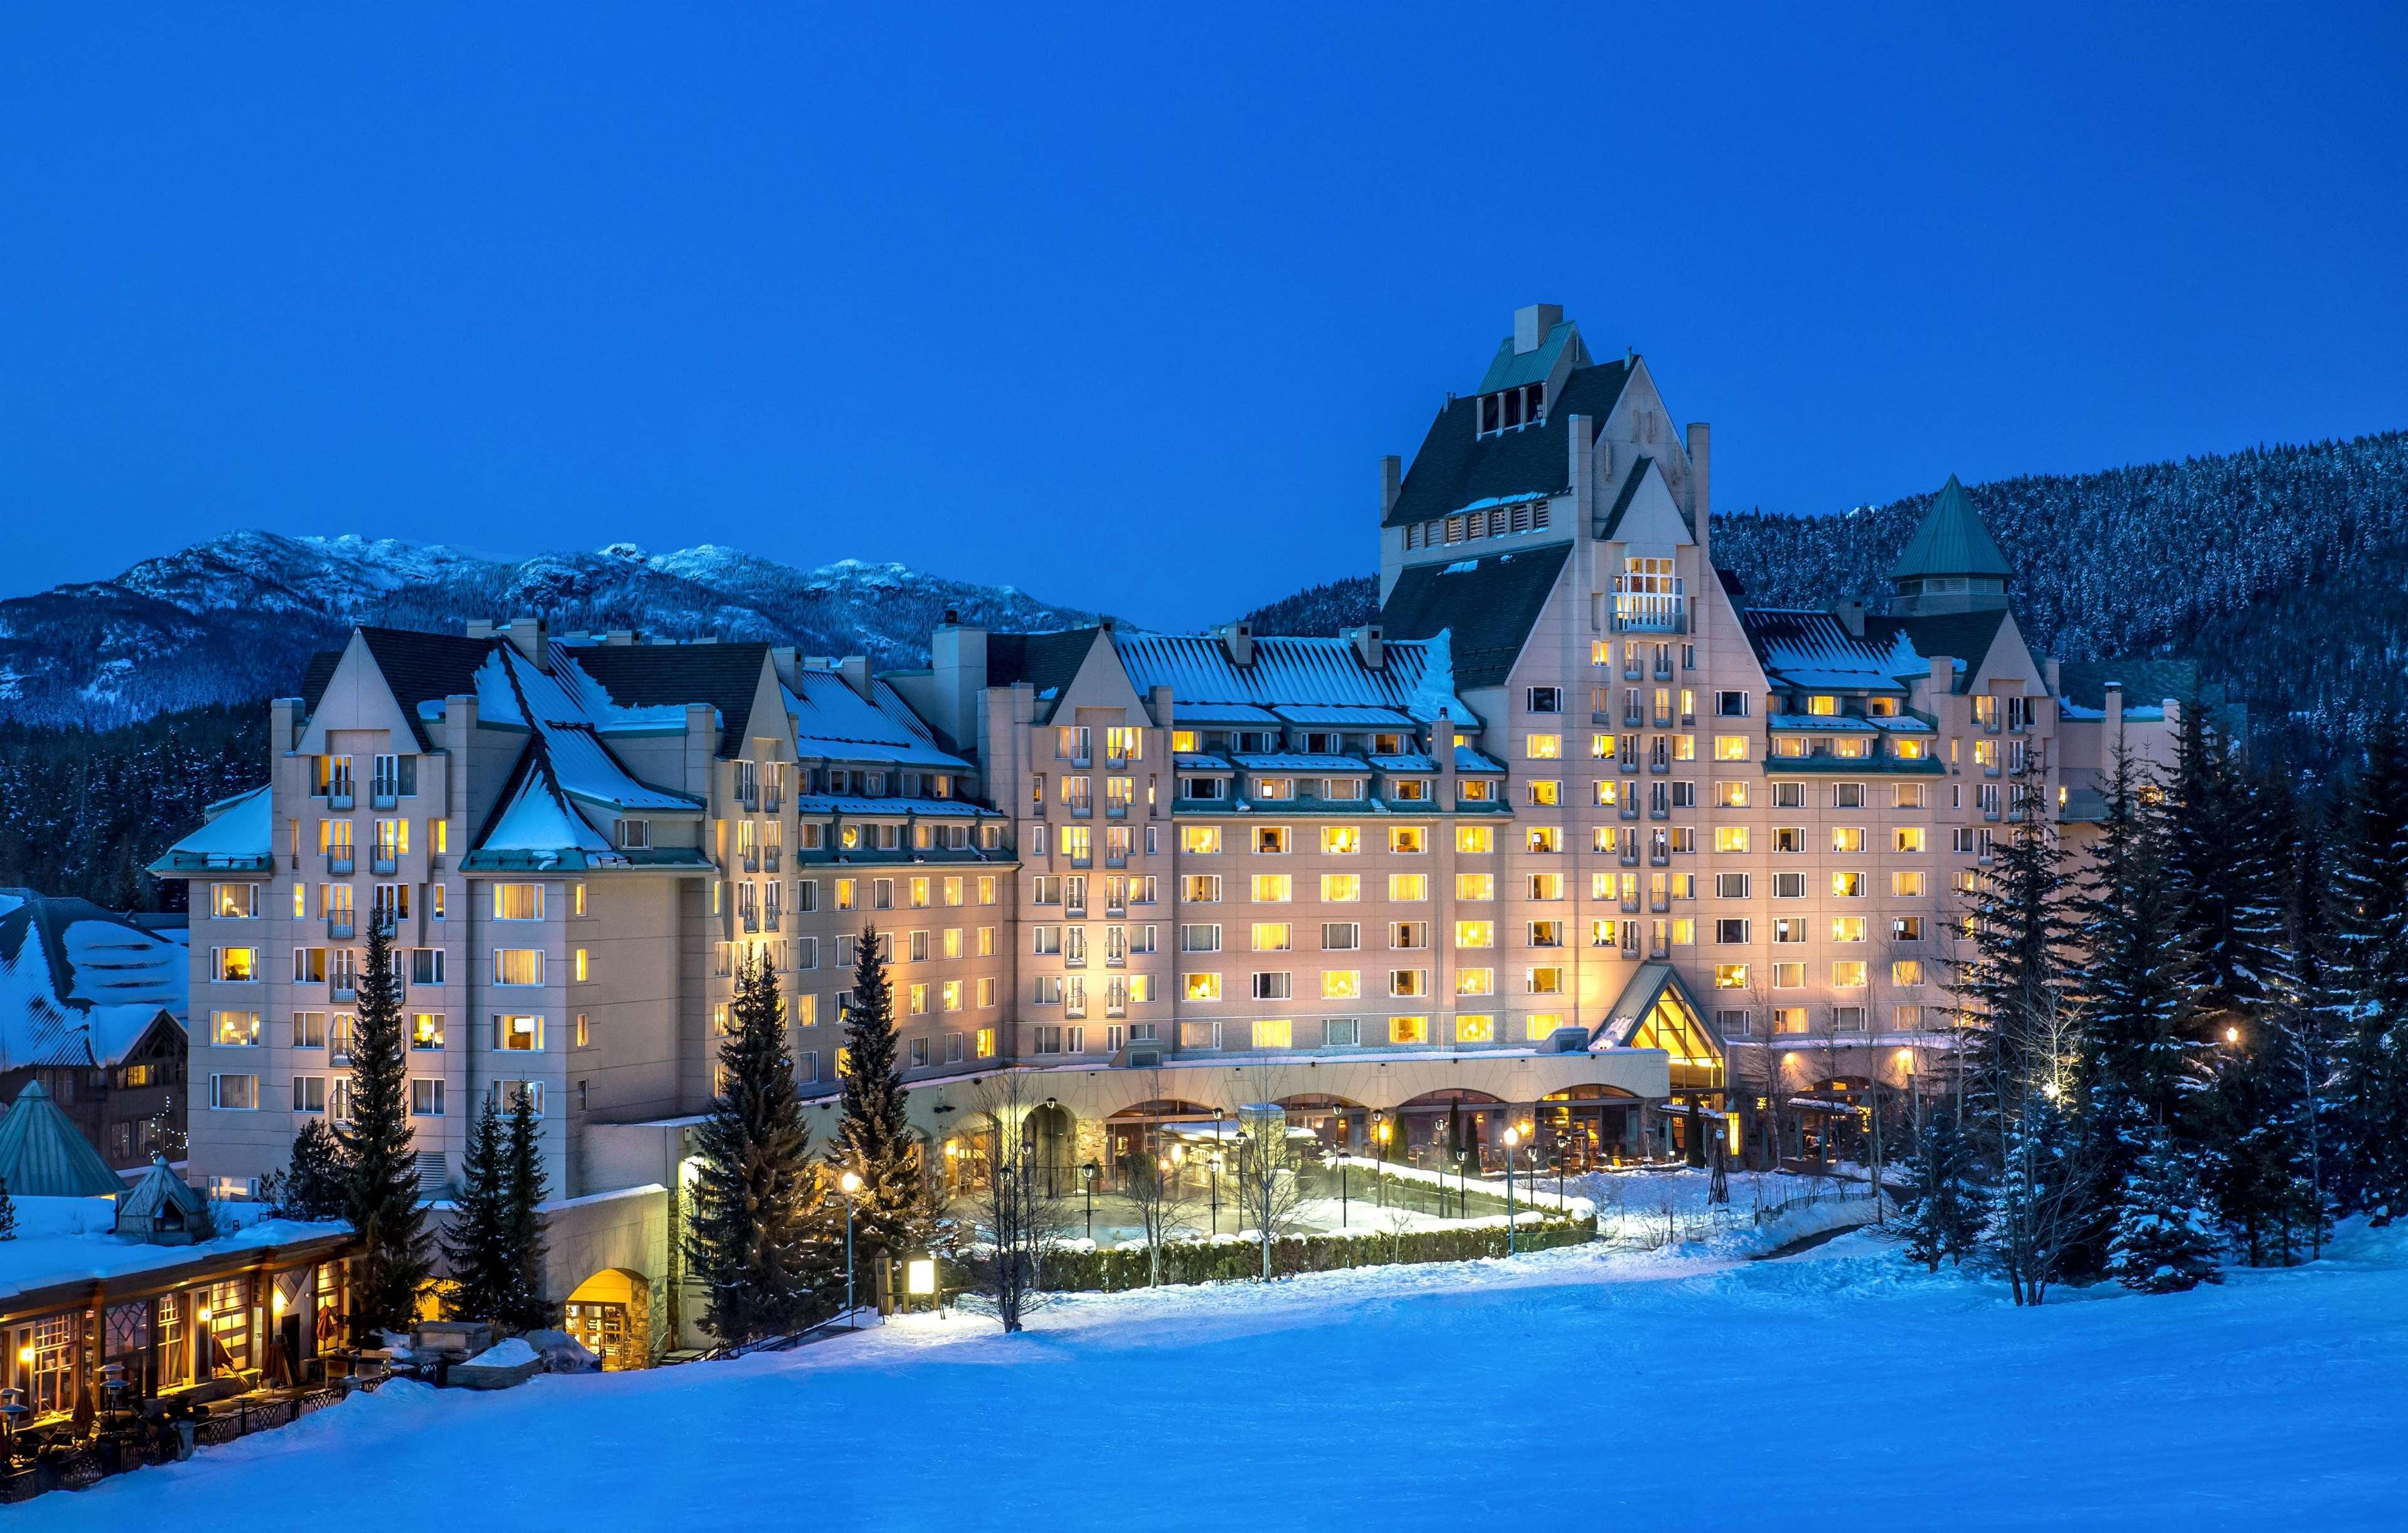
[[1114, 1269]]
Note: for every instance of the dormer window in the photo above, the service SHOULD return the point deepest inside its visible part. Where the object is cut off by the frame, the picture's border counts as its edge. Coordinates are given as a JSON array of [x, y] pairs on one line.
[[1509, 408]]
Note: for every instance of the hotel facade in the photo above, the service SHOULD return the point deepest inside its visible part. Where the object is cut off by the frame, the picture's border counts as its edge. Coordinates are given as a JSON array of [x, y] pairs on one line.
[[1573, 832]]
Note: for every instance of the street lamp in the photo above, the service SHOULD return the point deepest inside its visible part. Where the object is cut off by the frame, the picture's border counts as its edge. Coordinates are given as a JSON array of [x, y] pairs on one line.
[[1512, 1138], [849, 1183], [1213, 1179], [1384, 1131], [1087, 1177]]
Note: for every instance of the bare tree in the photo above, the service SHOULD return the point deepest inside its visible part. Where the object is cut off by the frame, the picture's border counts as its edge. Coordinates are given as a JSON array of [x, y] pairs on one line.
[[1017, 1228], [1163, 1201], [1269, 1189]]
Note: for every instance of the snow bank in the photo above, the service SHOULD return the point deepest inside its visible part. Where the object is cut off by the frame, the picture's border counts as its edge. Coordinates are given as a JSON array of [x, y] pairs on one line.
[[513, 1353]]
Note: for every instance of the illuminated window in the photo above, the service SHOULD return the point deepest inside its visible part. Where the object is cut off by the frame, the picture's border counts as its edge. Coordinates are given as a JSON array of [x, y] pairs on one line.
[[1475, 1029], [1474, 839], [1730, 976], [1341, 984], [518, 902], [1905, 971], [1341, 840], [1278, 1033], [1731, 837], [1409, 886], [1342, 888], [1848, 974], [1543, 747], [1408, 839], [233, 1029], [1408, 1029], [1475, 886], [1475, 982], [1269, 937], [1273, 888], [1201, 987], [1475, 934]]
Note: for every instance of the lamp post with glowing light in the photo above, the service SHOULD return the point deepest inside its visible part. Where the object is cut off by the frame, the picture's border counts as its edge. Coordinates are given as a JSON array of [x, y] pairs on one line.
[[1087, 1179], [1213, 1179], [1384, 1132], [849, 1183], [1512, 1138]]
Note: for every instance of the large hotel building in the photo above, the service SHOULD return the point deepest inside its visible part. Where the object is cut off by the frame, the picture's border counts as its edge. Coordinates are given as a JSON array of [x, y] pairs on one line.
[[1573, 832]]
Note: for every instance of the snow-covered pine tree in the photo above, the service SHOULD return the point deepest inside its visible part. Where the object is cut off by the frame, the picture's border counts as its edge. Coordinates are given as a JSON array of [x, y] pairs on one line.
[[2162, 1243], [1945, 1222], [2127, 979], [477, 1246], [321, 1170], [2365, 993], [7, 1212], [759, 1241], [524, 1186], [2012, 1011], [383, 1198], [2043, 1201], [874, 1140], [2222, 879], [2253, 1123]]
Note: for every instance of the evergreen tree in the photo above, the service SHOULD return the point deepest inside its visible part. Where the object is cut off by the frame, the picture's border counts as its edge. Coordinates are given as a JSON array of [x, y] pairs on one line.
[[2012, 986], [2162, 1243], [318, 1179], [2128, 979], [7, 1212], [2222, 879], [525, 1187], [1945, 1221], [382, 1201], [2043, 1203], [2363, 1002], [875, 1141], [759, 1236], [2254, 1126], [477, 1244]]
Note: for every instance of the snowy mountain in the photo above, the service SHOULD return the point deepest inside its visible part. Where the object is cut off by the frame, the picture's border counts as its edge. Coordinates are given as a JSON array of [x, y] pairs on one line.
[[236, 618]]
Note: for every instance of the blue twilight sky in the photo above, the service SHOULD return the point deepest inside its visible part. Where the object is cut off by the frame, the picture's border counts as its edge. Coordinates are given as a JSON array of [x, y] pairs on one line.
[[1123, 304]]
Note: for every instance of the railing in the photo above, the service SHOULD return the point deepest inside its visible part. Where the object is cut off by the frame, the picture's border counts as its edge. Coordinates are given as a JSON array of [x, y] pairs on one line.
[[384, 795], [343, 990], [340, 863], [1115, 812], [341, 928], [340, 797], [1649, 611], [382, 862]]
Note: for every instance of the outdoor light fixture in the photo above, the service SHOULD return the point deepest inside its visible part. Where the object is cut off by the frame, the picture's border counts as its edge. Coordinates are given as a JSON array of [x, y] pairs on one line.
[[920, 1276], [850, 1183], [2232, 1035]]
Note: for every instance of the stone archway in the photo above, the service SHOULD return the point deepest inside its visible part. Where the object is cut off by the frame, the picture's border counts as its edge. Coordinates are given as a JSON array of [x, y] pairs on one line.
[[611, 1313]]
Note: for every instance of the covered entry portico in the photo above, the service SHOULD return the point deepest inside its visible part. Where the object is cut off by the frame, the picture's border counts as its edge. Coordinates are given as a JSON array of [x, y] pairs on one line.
[[1657, 1011]]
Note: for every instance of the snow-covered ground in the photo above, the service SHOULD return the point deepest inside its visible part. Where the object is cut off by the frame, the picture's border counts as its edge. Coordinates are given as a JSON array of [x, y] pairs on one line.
[[1599, 1387]]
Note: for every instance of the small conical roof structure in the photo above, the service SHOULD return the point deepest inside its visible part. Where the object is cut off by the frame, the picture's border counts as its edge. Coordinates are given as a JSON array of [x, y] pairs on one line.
[[161, 1208], [1951, 540], [42, 1155]]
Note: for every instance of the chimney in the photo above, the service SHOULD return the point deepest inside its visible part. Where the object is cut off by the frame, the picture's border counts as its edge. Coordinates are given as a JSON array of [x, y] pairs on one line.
[[2114, 711], [957, 662], [1531, 324], [527, 633], [2049, 673], [480, 628], [1239, 639], [1850, 614], [1701, 504], [284, 724], [619, 638], [1392, 482], [1368, 647], [854, 668]]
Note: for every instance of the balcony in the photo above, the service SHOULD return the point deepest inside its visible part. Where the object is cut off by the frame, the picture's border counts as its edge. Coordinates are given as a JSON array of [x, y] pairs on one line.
[[343, 989], [1643, 606], [1081, 762], [771, 920], [749, 861], [1115, 763], [339, 862], [1082, 812], [1115, 812], [384, 795], [384, 862], [770, 859], [1077, 861], [340, 797], [1116, 859], [772, 801], [749, 920], [341, 928]]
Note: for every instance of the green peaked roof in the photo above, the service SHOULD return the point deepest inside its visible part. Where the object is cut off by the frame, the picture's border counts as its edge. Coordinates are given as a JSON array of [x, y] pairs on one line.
[[1950, 541], [42, 1155]]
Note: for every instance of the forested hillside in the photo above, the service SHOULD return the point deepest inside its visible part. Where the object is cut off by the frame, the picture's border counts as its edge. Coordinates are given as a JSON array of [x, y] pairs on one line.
[[82, 811], [2282, 569]]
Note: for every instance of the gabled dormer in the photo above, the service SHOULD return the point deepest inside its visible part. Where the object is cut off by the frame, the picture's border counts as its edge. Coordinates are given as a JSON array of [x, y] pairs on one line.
[[1525, 378]]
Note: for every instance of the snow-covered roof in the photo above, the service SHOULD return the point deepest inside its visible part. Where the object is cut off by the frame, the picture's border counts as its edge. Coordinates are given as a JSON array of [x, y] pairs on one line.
[[1296, 761], [1828, 724], [1416, 677], [1810, 650], [893, 809], [238, 835], [80, 986], [63, 1241], [1468, 760], [1411, 762], [834, 722]]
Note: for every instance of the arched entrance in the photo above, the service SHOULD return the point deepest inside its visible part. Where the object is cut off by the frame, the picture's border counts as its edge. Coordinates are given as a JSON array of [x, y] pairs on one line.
[[1136, 1131], [611, 1313], [1588, 1126], [1434, 1129]]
